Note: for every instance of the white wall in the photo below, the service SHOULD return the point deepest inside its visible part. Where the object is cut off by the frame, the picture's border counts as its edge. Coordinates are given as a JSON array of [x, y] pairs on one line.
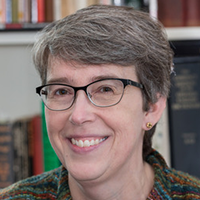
[[18, 79]]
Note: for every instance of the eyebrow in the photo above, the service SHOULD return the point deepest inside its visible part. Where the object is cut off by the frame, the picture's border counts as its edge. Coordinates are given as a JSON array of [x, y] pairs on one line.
[[104, 77], [65, 80], [58, 80]]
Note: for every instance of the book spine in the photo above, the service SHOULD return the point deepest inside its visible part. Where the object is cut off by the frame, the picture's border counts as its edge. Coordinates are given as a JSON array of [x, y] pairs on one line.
[[34, 11], [17, 143], [92, 2], [64, 11], [184, 115], [6, 156], [25, 149], [192, 12], [15, 11], [118, 2], [153, 8], [57, 9], [41, 11], [37, 146], [171, 13], [51, 160], [8, 11], [27, 11], [49, 11], [80, 4], [3, 11], [106, 2], [21, 11]]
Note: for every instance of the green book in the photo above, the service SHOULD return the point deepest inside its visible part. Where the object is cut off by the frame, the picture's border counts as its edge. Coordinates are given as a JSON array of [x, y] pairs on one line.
[[51, 160]]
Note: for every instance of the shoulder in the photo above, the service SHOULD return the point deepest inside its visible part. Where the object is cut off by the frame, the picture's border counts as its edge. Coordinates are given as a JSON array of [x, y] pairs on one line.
[[183, 185], [170, 183], [34, 187]]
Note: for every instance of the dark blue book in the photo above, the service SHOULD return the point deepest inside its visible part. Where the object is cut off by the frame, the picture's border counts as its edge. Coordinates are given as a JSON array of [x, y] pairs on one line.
[[184, 115]]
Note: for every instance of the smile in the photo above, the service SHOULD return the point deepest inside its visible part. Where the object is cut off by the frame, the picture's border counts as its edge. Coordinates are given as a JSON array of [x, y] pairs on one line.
[[87, 143]]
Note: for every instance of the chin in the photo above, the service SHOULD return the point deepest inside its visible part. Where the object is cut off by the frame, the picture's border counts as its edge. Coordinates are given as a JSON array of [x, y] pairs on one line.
[[85, 172]]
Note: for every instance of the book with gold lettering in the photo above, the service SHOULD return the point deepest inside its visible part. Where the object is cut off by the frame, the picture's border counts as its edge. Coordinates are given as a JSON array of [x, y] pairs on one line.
[[184, 110]]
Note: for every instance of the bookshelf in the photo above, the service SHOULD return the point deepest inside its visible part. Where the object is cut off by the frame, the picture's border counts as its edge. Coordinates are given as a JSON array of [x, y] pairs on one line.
[[18, 78]]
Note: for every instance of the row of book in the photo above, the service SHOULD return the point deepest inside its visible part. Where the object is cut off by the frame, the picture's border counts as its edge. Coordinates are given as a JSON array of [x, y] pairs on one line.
[[176, 13], [33, 14], [25, 150], [40, 11], [30, 14]]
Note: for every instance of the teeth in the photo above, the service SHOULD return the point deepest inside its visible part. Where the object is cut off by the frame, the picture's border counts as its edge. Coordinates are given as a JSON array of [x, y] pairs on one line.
[[87, 143]]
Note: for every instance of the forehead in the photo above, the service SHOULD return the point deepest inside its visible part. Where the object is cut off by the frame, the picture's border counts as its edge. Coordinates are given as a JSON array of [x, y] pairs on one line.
[[75, 73]]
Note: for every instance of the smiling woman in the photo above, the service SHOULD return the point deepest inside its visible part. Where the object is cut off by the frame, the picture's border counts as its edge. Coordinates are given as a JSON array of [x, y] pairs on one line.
[[105, 72]]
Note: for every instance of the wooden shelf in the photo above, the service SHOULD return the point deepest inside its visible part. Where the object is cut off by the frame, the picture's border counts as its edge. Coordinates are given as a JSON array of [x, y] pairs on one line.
[[183, 33], [17, 38]]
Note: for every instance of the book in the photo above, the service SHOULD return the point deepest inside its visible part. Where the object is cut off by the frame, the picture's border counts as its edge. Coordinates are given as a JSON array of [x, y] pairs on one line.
[[34, 11], [8, 11], [2, 11], [51, 160], [27, 11], [137, 4], [49, 11], [21, 161], [184, 115], [105, 2], [171, 13], [92, 2], [57, 9], [68, 7], [15, 11], [192, 12], [41, 11], [36, 145], [118, 2], [6, 156], [21, 11]]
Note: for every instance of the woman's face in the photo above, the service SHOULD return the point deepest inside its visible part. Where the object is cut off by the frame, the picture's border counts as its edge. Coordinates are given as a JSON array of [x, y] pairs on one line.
[[121, 127]]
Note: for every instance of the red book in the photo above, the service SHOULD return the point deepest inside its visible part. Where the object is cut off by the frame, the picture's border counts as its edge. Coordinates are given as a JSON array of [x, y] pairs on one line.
[[38, 160], [171, 12], [41, 10], [13, 26], [192, 12]]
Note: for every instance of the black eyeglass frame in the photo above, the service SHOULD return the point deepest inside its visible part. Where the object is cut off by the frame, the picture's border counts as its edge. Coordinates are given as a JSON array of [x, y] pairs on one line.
[[84, 88]]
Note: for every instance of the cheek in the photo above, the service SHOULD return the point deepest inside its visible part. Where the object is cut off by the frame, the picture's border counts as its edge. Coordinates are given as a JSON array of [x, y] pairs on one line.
[[55, 121]]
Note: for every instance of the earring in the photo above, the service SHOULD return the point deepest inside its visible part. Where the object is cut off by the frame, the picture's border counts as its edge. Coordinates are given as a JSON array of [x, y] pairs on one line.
[[149, 125]]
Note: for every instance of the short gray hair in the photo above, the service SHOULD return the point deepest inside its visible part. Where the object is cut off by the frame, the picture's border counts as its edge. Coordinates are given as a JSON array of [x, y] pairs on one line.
[[102, 34]]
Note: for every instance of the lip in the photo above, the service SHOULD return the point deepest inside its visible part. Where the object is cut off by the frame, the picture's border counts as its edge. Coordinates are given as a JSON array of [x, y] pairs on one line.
[[83, 150]]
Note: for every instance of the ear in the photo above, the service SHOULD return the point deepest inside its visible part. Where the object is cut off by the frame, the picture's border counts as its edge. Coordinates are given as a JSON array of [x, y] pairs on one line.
[[154, 114]]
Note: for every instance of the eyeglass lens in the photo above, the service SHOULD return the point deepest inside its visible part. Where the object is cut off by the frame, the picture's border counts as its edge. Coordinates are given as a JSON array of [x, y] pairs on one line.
[[101, 93]]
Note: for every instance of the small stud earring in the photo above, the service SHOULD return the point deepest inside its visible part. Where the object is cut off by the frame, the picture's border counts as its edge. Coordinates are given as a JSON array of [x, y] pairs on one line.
[[149, 125]]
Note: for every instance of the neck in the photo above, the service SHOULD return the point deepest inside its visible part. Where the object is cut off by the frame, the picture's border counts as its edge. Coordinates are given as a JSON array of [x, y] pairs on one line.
[[131, 185]]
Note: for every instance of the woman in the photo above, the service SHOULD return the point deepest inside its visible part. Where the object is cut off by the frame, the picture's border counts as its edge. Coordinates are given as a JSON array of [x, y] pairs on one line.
[[105, 72]]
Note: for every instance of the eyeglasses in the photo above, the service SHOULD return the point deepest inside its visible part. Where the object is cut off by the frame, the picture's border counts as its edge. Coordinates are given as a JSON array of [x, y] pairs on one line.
[[101, 93]]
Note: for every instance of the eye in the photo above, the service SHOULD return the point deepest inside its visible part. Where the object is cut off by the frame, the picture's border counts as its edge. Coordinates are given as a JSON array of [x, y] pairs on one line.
[[61, 92], [56, 91], [106, 89]]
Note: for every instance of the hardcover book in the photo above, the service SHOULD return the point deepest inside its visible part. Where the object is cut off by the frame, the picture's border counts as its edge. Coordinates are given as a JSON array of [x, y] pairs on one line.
[[184, 115]]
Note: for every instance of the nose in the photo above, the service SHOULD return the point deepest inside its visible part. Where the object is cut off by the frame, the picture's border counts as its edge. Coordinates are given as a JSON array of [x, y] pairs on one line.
[[82, 109]]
